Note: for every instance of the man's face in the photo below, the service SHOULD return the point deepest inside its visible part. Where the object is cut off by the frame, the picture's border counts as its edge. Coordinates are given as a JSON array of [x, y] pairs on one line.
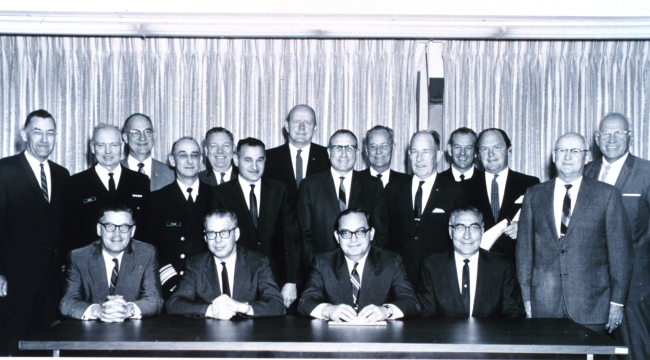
[[251, 160], [40, 136], [343, 152], [466, 242], [380, 149], [567, 163], [138, 135], [114, 242], [107, 147], [611, 140], [424, 155], [219, 148], [186, 158], [355, 247], [301, 126], [221, 247], [493, 152], [461, 150]]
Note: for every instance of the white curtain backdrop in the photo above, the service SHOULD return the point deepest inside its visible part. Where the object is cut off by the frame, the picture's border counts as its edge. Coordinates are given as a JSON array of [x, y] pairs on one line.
[[539, 90], [188, 86]]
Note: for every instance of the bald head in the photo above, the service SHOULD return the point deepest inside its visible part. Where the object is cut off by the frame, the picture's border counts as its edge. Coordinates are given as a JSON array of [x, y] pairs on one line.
[[570, 156], [572, 137], [300, 125], [613, 136]]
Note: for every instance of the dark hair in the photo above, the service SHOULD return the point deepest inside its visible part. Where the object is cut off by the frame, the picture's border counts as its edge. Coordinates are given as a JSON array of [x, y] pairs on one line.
[[219, 214], [126, 122], [219, 130], [462, 131], [503, 134], [434, 134], [342, 131], [347, 212], [464, 209], [185, 138], [390, 131], [313, 113], [38, 113], [118, 207], [252, 142]]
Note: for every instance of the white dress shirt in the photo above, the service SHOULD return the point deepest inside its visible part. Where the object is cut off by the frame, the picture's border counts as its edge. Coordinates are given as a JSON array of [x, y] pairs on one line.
[[195, 189], [305, 158], [246, 188], [226, 177], [614, 169], [426, 189], [468, 174], [36, 168], [133, 164], [385, 176], [347, 184], [558, 199], [103, 175], [501, 183], [473, 275], [230, 267]]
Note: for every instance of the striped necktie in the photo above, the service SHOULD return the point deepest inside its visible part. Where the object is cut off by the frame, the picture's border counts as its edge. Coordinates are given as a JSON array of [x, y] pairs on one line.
[[44, 184], [566, 212], [116, 273], [356, 286]]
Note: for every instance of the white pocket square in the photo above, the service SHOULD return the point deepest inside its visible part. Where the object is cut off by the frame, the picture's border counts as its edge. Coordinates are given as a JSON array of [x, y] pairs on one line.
[[520, 200], [438, 211], [635, 195]]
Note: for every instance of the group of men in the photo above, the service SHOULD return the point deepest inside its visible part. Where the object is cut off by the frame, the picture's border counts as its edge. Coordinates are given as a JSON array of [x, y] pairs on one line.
[[259, 229]]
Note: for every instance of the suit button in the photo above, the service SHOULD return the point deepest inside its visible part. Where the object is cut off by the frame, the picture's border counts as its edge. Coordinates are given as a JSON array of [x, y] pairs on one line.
[[259, 243], [181, 273], [182, 238], [182, 256]]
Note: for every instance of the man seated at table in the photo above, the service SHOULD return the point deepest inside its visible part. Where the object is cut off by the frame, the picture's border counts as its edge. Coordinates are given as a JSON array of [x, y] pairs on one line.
[[228, 280], [358, 282], [114, 278], [468, 281]]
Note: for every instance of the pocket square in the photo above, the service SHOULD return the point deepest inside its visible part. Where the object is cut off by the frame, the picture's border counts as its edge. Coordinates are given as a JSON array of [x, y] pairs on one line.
[[438, 211], [137, 195], [520, 200], [635, 195]]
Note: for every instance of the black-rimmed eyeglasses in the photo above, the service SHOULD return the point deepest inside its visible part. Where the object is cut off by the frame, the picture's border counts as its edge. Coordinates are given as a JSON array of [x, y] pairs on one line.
[[224, 234], [124, 228]]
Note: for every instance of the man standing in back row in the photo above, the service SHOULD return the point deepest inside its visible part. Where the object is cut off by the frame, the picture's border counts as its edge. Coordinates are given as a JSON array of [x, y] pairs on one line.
[[219, 148], [462, 151], [380, 144]]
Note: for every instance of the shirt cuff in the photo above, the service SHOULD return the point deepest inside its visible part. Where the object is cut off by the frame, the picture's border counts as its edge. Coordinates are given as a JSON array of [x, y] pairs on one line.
[[617, 304], [318, 311], [208, 311], [397, 313], [88, 313], [137, 313]]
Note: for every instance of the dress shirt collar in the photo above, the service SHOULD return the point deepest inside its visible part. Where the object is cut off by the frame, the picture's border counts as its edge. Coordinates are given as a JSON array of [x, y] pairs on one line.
[[226, 177], [108, 260], [427, 187], [103, 175], [195, 189], [501, 182], [558, 199], [133, 164], [614, 169], [468, 174], [230, 261], [347, 183], [35, 164], [304, 155], [473, 276], [385, 176], [618, 163], [246, 189], [362, 264]]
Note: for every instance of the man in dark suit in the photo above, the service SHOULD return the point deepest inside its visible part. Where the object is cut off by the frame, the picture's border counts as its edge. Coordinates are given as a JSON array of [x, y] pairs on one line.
[[228, 279], [420, 205], [114, 278], [105, 183], [498, 192], [358, 282], [268, 221], [176, 213], [299, 157], [631, 176], [219, 148], [323, 196], [574, 245], [138, 136], [462, 152], [468, 281], [379, 147], [31, 209]]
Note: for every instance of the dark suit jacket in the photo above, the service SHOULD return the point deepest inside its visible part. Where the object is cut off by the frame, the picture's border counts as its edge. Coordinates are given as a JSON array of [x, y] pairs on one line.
[[383, 282], [280, 167], [161, 174], [450, 176], [207, 175], [253, 283], [86, 282], [318, 207], [277, 234], [394, 175], [86, 195], [516, 186], [495, 294], [415, 241], [590, 267], [634, 184]]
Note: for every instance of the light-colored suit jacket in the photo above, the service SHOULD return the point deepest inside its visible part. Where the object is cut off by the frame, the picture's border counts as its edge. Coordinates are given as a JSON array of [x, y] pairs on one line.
[[161, 174], [590, 267], [86, 282]]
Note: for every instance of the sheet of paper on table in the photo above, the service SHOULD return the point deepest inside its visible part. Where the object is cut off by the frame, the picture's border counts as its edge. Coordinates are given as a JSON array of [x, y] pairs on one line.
[[342, 323], [491, 236]]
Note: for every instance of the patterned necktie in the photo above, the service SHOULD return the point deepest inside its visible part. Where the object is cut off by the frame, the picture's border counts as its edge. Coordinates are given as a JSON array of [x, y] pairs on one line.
[[225, 284], [190, 199], [116, 273], [566, 212], [356, 286], [298, 168], [111, 183], [44, 184], [465, 292], [253, 202], [223, 175], [495, 198], [141, 168], [417, 208], [603, 177], [462, 177], [342, 204]]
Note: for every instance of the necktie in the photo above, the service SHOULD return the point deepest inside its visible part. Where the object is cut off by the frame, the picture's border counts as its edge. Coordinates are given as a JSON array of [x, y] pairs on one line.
[[417, 208], [379, 177], [141, 168], [44, 184], [190, 199], [566, 211], [465, 291], [253, 201], [116, 272], [462, 177], [342, 203], [495, 197], [356, 286], [224, 279], [298, 168], [111, 183], [223, 175], [603, 177]]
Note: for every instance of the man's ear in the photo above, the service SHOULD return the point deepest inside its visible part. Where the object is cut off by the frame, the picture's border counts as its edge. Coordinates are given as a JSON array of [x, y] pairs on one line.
[[172, 161], [372, 234], [92, 147], [132, 231], [449, 149], [329, 152], [23, 135], [99, 229], [236, 234], [235, 158], [125, 137], [336, 238], [439, 156]]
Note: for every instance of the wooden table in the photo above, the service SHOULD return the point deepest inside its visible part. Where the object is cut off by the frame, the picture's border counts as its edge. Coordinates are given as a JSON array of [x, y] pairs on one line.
[[303, 337]]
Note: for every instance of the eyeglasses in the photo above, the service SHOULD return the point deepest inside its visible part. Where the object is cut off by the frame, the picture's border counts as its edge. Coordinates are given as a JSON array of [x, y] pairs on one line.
[[337, 149], [224, 234], [460, 229], [382, 147], [124, 228], [137, 133], [573, 152], [617, 134], [423, 153], [347, 234]]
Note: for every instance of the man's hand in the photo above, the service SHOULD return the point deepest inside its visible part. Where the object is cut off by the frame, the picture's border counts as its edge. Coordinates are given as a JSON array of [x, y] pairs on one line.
[[289, 294], [114, 309], [373, 313], [529, 312], [3, 286], [339, 313], [224, 308], [615, 317], [511, 230]]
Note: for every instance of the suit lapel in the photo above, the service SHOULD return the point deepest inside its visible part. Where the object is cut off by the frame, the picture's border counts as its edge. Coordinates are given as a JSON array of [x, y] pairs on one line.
[[330, 188], [210, 274], [549, 206], [484, 199], [126, 268], [57, 184], [508, 194], [582, 203], [241, 275], [264, 205], [626, 171], [177, 197], [356, 186], [483, 285], [31, 177], [311, 162], [433, 197], [343, 277], [407, 203], [97, 268], [452, 276], [287, 164], [239, 204], [369, 278], [97, 182]]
